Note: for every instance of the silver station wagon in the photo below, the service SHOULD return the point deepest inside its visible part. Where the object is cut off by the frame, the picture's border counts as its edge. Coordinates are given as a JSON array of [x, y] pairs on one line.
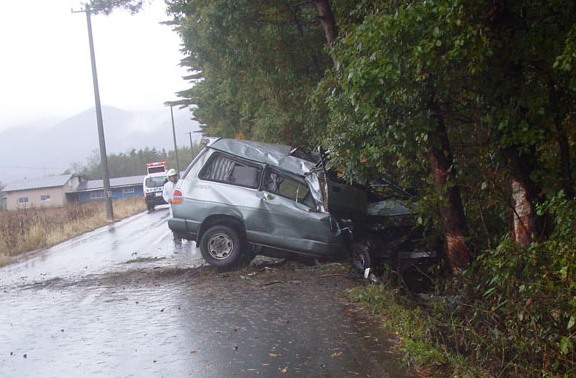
[[241, 198]]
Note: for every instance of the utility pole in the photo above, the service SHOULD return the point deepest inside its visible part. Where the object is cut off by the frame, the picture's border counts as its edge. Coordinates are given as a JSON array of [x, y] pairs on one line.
[[171, 105], [101, 140], [191, 150]]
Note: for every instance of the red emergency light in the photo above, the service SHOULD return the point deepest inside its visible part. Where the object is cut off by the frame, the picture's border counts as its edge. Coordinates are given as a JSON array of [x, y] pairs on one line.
[[156, 167], [155, 164]]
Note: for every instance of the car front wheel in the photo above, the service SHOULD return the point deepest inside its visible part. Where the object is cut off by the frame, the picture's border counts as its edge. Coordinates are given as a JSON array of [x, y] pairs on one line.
[[361, 259], [221, 246]]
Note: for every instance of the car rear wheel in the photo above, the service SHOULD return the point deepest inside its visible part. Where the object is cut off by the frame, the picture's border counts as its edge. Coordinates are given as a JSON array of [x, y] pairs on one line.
[[221, 246]]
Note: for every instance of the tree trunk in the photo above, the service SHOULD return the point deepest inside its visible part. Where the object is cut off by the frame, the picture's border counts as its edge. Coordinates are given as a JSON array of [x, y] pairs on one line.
[[522, 213], [523, 197], [451, 210], [327, 20]]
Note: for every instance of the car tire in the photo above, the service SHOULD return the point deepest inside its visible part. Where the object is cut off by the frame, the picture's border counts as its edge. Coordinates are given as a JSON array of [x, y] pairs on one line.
[[360, 255], [221, 246]]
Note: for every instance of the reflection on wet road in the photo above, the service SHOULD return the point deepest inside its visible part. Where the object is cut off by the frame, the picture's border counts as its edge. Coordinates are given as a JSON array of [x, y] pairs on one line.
[[122, 301], [144, 236]]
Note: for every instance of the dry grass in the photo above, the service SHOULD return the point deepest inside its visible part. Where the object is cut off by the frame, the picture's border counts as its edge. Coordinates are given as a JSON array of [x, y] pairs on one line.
[[31, 229]]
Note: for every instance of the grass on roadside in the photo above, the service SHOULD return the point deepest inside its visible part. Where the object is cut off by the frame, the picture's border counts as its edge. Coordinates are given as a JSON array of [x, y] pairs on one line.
[[32, 229], [416, 329]]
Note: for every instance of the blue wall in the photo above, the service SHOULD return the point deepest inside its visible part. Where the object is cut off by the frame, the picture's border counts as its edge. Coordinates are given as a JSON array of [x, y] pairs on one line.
[[117, 193]]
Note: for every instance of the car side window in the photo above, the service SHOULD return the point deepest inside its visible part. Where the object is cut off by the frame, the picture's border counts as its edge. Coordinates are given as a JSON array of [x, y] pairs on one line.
[[286, 186], [223, 169]]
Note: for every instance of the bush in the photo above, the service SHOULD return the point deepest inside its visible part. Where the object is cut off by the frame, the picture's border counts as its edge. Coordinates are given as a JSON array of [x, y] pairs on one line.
[[519, 308], [512, 314]]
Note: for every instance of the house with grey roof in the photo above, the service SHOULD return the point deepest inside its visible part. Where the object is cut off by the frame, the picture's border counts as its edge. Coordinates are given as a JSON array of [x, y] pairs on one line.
[[56, 191], [121, 187], [40, 192]]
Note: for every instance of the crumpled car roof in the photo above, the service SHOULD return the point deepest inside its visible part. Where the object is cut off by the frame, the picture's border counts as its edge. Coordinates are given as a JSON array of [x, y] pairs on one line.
[[275, 155]]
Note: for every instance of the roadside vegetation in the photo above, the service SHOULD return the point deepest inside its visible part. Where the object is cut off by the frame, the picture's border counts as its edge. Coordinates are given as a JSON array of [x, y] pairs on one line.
[[133, 162], [511, 314], [28, 230]]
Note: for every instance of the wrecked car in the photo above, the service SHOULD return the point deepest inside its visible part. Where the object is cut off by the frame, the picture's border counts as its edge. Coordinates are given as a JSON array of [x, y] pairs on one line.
[[241, 198]]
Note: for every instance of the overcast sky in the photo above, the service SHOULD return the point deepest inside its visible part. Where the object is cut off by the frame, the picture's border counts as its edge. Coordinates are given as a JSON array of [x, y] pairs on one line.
[[45, 60]]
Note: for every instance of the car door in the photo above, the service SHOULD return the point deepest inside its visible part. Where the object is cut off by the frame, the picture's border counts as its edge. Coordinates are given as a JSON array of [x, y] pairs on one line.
[[289, 218]]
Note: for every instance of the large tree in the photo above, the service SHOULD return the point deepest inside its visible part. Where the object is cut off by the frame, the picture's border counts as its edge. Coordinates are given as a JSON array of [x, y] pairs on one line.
[[491, 80], [530, 101], [255, 63], [392, 103]]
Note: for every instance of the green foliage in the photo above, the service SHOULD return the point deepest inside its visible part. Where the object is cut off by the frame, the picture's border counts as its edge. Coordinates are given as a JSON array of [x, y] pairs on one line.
[[528, 97], [519, 307], [254, 63], [490, 73], [567, 60], [107, 6], [513, 314], [410, 324], [133, 162], [384, 87]]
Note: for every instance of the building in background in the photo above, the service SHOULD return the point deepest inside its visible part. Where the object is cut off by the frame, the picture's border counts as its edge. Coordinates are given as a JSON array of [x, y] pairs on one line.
[[55, 191], [121, 187], [40, 192]]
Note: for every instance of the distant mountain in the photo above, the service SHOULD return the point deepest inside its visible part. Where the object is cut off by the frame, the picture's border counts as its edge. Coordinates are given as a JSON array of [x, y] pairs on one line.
[[40, 150]]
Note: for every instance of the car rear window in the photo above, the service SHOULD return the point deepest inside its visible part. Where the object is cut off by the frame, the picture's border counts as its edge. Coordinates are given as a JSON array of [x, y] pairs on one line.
[[223, 169], [155, 182]]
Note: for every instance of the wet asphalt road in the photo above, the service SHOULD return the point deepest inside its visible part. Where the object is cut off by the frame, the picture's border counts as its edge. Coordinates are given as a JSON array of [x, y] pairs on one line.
[[122, 301]]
